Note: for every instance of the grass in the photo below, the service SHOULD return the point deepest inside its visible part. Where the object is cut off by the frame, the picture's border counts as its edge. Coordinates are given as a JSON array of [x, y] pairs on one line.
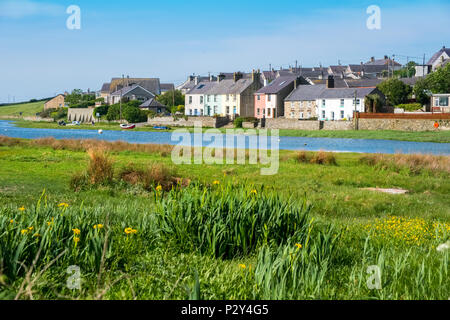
[[429, 136], [27, 109], [309, 232]]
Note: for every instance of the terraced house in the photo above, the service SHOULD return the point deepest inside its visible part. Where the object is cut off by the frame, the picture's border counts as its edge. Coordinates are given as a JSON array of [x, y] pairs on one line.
[[224, 97]]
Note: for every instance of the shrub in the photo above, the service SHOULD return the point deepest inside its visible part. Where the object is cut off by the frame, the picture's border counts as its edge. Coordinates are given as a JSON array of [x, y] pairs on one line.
[[410, 106], [100, 169], [149, 178], [327, 158]]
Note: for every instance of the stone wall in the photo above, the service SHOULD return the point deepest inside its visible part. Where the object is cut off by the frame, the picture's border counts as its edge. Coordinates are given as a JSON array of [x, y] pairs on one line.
[[338, 125], [402, 124], [207, 122], [292, 124], [85, 115]]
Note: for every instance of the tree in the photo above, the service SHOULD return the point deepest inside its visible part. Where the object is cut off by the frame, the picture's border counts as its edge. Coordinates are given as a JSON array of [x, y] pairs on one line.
[[167, 98], [395, 91], [421, 91], [439, 81], [407, 72]]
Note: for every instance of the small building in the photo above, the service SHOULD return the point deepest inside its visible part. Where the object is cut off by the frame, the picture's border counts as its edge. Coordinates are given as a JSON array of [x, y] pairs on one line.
[[195, 98], [166, 87], [269, 100], [55, 103], [301, 104], [440, 103], [439, 58], [131, 93], [153, 105]]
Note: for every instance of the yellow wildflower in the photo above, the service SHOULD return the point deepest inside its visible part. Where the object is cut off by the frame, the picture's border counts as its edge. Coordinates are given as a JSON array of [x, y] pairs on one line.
[[159, 188], [11, 221], [130, 231], [254, 192], [242, 266], [37, 235], [98, 226], [22, 209], [216, 183], [30, 228], [76, 232], [65, 205], [299, 246], [24, 231], [76, 240]]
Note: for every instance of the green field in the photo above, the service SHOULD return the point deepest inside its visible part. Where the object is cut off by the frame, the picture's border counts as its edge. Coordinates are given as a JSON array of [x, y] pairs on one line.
[[309, 232], [429, 136], [27, 109]]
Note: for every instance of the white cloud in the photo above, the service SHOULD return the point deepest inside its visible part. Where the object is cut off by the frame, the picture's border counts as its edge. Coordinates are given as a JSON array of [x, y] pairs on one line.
[[24, 8]]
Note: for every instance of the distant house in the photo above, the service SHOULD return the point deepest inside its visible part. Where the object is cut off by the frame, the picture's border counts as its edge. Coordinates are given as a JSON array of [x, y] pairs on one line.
[[193, 81], [195, 99], [153, 105], [133, 92], [326, 102], [439, 58], [55, 103], [440, 103], [166, 87], [269, 100]]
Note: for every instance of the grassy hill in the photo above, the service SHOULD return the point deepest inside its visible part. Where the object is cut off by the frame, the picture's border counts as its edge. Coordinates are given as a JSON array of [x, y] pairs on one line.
[[27, 109]]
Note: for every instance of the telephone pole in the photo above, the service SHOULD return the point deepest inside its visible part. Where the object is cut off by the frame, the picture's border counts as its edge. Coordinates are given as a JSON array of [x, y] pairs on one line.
[[121, 91]]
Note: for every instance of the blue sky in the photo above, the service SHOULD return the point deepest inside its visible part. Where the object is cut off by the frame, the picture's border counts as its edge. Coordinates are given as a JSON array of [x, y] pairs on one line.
[[171, 39]]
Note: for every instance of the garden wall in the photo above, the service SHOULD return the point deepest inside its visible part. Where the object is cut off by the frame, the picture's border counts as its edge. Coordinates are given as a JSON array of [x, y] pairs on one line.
[[291, 124], [207, 122]]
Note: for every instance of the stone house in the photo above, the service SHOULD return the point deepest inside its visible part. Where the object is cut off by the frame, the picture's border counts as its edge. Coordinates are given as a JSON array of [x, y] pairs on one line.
[[302, 102], [55, 103], [134, 92]]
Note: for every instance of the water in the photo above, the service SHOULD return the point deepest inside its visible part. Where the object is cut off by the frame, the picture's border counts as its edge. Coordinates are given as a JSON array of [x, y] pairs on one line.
[[7, 128]]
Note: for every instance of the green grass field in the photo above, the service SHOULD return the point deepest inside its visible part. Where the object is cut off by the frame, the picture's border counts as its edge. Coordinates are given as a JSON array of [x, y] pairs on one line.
[[430, 136], [309, 232], [27, 109]]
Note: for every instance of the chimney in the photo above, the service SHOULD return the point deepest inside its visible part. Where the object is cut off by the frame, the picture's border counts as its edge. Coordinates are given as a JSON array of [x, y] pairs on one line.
[[372, 59], [330, 82], [196, 80], [295, 84], [386, 57], [220, 77]]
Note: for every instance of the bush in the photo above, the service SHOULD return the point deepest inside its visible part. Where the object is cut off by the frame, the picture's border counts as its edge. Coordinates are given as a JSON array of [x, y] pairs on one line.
[[149, 178], [410, 106], [229, 221], [321, 157]]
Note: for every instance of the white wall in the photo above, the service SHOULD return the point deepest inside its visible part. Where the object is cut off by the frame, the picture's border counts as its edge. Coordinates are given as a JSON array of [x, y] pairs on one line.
[[334, 105], [196, 99]]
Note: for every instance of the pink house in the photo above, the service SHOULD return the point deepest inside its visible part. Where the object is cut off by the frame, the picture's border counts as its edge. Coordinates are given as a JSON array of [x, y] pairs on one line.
[[269, 101]]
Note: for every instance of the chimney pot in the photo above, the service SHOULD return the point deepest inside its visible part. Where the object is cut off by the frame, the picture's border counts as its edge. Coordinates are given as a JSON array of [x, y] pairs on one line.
[[330, 82]]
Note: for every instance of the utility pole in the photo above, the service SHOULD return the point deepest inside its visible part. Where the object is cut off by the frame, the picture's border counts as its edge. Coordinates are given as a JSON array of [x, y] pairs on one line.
[[423, 66], [356, 111], [121, 91]]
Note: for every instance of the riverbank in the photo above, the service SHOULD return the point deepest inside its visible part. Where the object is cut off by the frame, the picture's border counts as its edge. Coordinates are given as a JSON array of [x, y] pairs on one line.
[[429, 136]]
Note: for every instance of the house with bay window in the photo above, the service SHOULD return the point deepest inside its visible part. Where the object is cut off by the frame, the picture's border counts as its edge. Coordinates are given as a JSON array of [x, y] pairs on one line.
[[440, 103]]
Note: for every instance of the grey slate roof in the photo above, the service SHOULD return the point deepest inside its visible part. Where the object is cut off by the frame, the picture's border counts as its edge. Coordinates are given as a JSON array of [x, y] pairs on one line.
[[309, 93], [150, 84], [202, 87], [127, 90], [152, 103], [228, 86], [277, 85], [338, 69], [167, 86], [438, 54], [381, 62], [106, 88]]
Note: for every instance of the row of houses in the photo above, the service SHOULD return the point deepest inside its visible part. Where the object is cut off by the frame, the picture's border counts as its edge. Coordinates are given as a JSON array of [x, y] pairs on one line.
[[332, 93]]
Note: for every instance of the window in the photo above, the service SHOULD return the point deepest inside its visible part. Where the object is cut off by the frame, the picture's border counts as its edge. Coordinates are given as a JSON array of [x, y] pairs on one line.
[[195, 112], [215, 109], [190, 99], [332, 115], [208, 98], [436, 102], [342, 102], [190, 112], [228, 110], [309, 115], [301, 115], [259, 97], [443, 102], [358, 102], [323, 114], [269, 97], [215, 98], [234, 110], [323, 104], [342, 114], [257, 112], [201, 99]]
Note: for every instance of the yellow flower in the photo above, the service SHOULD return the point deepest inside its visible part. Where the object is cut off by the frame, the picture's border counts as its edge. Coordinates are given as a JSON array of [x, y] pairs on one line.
[[159, 188], [254, 192], [65, 205], [242, 266], [130, 231], [30, 228], [24, 231], [76, 240], [98, 226], [216, 183], [22, 209], [299, 246], [11, 221], [36, 235], [49, 223], [76, 232]]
